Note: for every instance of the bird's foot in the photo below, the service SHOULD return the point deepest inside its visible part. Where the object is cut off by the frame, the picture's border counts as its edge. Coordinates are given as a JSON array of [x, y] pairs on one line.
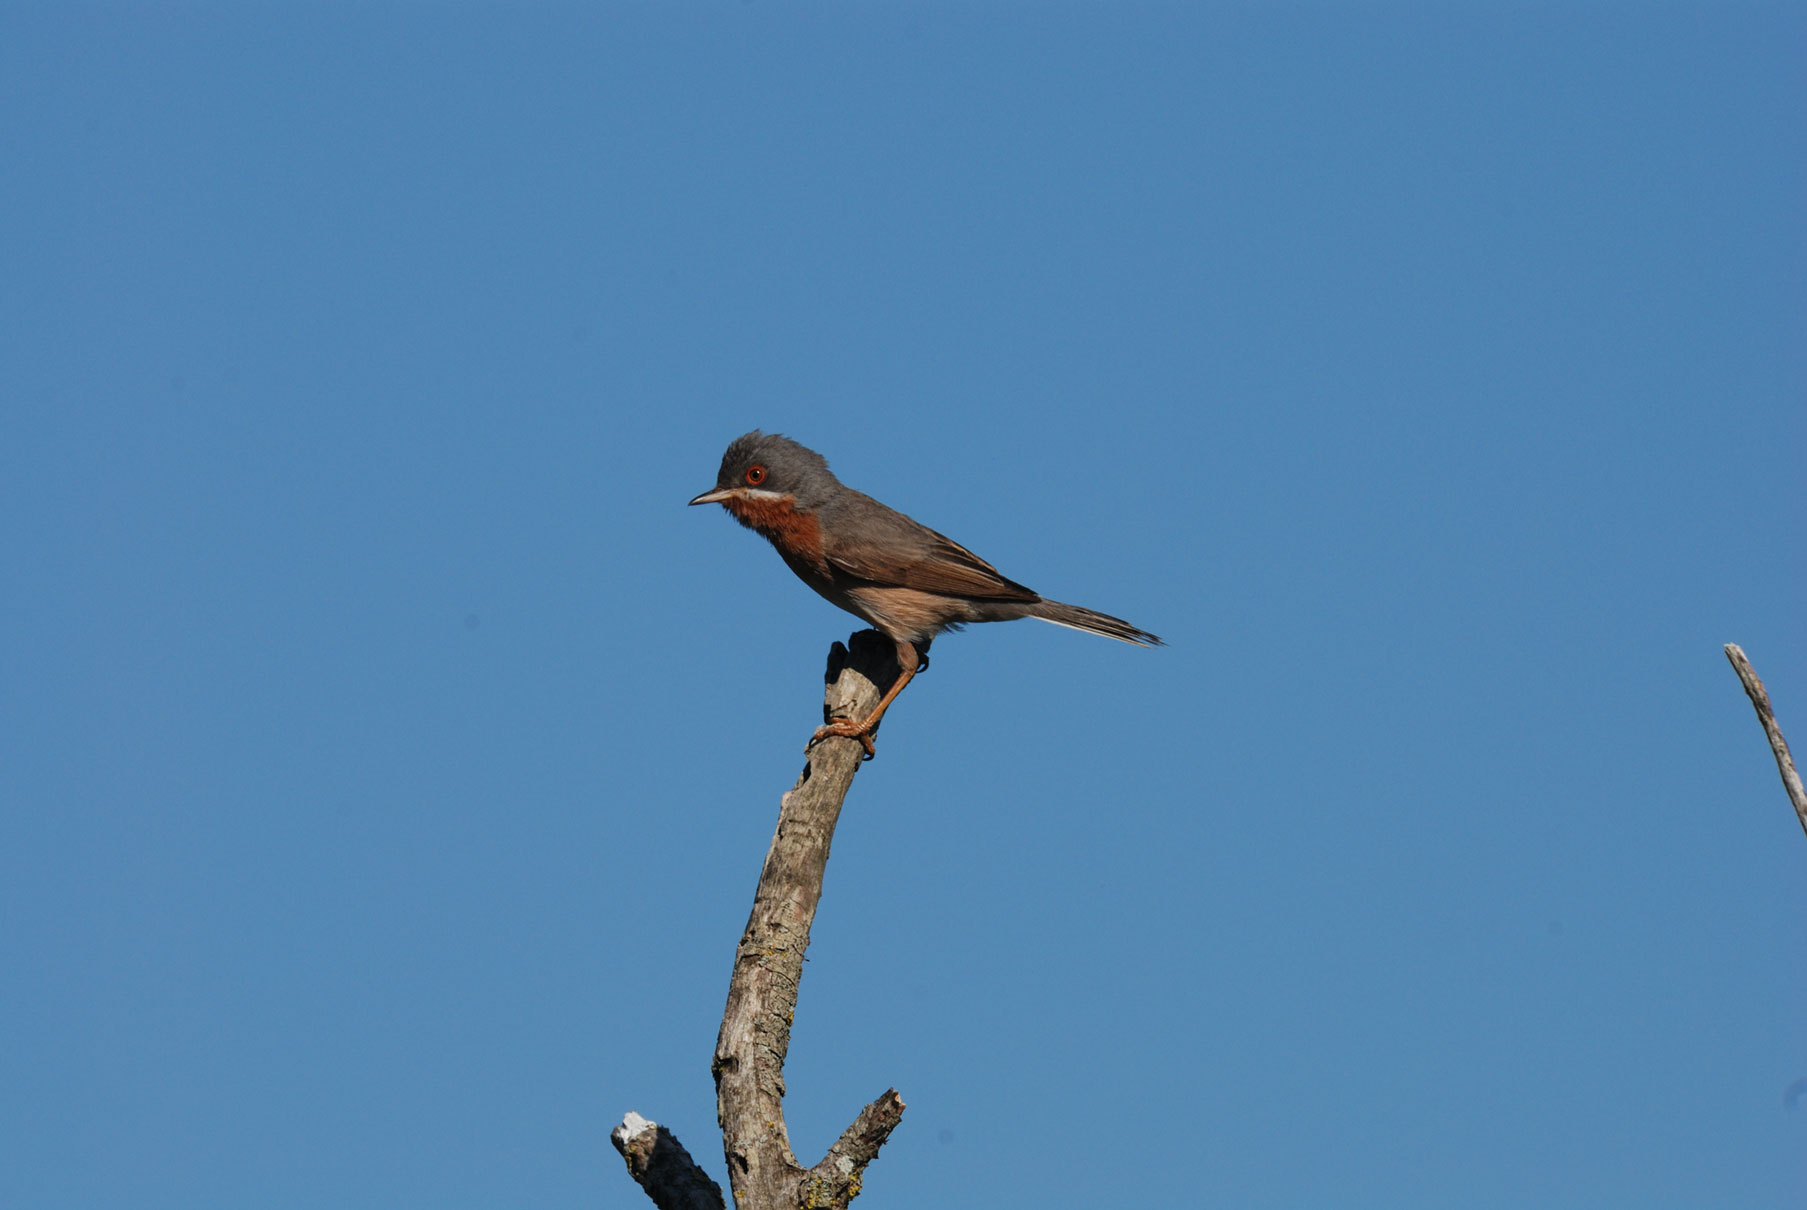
[[848, 729]]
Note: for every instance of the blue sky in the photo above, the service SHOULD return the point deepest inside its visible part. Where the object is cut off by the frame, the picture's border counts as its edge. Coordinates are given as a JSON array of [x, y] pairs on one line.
[[387, 754]]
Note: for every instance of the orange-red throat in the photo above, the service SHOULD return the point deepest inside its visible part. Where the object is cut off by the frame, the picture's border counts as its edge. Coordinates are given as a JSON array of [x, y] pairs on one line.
[[794, 531]]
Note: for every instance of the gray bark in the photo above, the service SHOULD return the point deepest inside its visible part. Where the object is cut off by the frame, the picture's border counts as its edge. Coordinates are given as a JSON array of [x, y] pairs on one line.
[[762, 995], [1753, 687], [763, 1171]]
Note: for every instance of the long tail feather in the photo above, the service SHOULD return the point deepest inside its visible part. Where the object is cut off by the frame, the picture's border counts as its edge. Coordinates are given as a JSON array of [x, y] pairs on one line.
[[1093, 622]]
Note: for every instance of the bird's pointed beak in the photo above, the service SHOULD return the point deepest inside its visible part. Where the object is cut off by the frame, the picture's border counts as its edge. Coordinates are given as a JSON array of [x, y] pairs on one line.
[[714, 497]]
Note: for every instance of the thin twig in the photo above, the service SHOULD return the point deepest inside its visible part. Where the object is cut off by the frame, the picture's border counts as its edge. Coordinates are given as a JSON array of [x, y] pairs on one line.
[[1753, 685]]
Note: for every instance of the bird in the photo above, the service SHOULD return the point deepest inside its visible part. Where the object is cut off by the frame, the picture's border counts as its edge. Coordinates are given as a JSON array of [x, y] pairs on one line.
[[898, 575]]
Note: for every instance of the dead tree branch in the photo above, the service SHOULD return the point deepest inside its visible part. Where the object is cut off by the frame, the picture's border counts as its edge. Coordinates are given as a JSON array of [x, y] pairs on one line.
[[1753, 685], [762, 995], [664, 1169], [763, 1171]]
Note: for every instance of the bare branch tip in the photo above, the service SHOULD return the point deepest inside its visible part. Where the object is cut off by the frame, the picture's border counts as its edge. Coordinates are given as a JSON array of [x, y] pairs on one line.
[[632, 1127], [661, 1166]]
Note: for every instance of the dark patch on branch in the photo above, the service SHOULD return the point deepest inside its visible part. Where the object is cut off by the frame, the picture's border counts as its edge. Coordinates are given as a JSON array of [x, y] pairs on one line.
[[664, 1169]]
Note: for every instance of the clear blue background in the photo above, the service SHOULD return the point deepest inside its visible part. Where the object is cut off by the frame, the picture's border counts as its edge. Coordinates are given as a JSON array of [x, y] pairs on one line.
[[387, 754]]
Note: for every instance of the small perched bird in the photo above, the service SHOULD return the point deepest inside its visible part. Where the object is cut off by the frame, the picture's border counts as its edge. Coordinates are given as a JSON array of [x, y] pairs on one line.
[[901, 577]]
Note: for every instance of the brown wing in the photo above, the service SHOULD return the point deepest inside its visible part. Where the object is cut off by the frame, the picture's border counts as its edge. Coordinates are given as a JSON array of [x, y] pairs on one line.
[[873, 542]]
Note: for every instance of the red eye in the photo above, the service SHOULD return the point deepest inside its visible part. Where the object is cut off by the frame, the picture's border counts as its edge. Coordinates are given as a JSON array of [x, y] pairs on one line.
[[756, 475]]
